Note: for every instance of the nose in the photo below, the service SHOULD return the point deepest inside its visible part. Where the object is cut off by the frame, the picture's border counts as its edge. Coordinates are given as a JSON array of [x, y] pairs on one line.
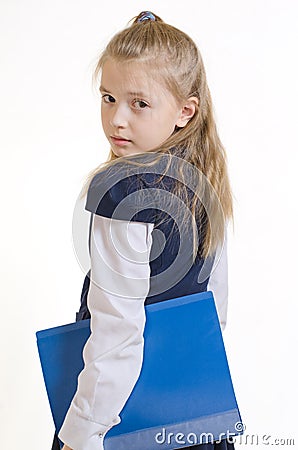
[[119, 117]]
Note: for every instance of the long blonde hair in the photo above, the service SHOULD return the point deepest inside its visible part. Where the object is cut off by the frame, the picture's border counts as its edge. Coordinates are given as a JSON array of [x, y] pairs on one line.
[[173, 57]]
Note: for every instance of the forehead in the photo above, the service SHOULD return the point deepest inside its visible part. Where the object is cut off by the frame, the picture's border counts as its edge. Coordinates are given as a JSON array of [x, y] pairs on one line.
[[131, 77]]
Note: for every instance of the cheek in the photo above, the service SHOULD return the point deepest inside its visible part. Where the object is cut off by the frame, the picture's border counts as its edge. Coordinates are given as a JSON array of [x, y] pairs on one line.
[[168, 125], [168, 117], [104, 117]]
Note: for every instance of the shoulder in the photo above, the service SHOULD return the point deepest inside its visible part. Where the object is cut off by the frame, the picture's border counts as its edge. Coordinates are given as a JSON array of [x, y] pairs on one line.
[[133, 188], [120, 191]]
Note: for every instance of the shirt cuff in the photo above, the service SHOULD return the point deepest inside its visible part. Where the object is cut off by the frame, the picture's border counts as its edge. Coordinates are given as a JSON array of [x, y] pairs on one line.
[[82, 433]]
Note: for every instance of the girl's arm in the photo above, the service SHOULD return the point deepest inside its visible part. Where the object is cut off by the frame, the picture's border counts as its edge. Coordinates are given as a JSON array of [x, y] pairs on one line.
[[119, 284], [218, 282]]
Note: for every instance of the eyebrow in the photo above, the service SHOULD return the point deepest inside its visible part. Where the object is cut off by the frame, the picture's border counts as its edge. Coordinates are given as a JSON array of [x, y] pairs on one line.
[[103, 89], [135, 93]]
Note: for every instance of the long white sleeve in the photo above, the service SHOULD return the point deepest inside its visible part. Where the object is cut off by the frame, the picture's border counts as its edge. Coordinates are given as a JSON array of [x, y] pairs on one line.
[[218, 282], [113, 355]]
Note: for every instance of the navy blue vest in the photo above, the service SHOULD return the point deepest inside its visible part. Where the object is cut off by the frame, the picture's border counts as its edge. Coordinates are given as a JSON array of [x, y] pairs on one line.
[[125, 192]]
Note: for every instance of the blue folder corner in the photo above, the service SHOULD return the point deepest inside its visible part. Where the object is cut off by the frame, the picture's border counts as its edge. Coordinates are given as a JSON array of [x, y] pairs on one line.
[[184, 395]]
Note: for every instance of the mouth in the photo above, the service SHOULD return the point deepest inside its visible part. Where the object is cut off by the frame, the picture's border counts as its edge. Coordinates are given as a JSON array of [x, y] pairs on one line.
[[120, 141]]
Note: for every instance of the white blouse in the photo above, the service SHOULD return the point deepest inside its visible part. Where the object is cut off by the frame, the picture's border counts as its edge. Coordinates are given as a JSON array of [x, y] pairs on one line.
[[113, 355]]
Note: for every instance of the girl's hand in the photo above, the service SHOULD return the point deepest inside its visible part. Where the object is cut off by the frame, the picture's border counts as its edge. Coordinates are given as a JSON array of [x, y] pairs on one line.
[[65, 447]]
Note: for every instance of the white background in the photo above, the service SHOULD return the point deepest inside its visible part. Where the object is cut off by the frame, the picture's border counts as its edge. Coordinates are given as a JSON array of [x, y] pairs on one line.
[[51, 138]]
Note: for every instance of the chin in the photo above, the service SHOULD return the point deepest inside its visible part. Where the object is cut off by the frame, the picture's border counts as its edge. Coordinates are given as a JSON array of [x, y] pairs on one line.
[[121, 151]]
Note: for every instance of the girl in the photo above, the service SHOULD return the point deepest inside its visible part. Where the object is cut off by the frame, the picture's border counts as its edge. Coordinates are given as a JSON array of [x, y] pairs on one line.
[[160, 208]]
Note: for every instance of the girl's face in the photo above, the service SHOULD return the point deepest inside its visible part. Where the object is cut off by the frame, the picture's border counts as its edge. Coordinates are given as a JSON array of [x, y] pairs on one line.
[[137, 113]]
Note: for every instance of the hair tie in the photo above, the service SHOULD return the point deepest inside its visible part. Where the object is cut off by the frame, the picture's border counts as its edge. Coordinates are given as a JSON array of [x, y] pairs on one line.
[[146, 15]]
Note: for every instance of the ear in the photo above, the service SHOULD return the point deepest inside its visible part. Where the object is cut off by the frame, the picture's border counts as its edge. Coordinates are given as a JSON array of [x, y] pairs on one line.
[[188, 110]]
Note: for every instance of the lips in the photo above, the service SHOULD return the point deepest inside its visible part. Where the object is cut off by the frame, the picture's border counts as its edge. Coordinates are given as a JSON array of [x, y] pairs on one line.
[[120, 141]]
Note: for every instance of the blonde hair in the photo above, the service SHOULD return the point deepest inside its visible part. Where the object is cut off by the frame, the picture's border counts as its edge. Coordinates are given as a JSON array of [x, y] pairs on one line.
[[174, 58]]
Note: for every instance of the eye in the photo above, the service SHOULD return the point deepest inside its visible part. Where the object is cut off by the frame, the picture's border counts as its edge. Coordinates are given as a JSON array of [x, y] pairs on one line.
[[139, 104], [107, 98]]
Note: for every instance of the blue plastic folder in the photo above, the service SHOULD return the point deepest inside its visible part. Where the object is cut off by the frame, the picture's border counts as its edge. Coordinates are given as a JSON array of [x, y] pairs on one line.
[[184, 395]]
